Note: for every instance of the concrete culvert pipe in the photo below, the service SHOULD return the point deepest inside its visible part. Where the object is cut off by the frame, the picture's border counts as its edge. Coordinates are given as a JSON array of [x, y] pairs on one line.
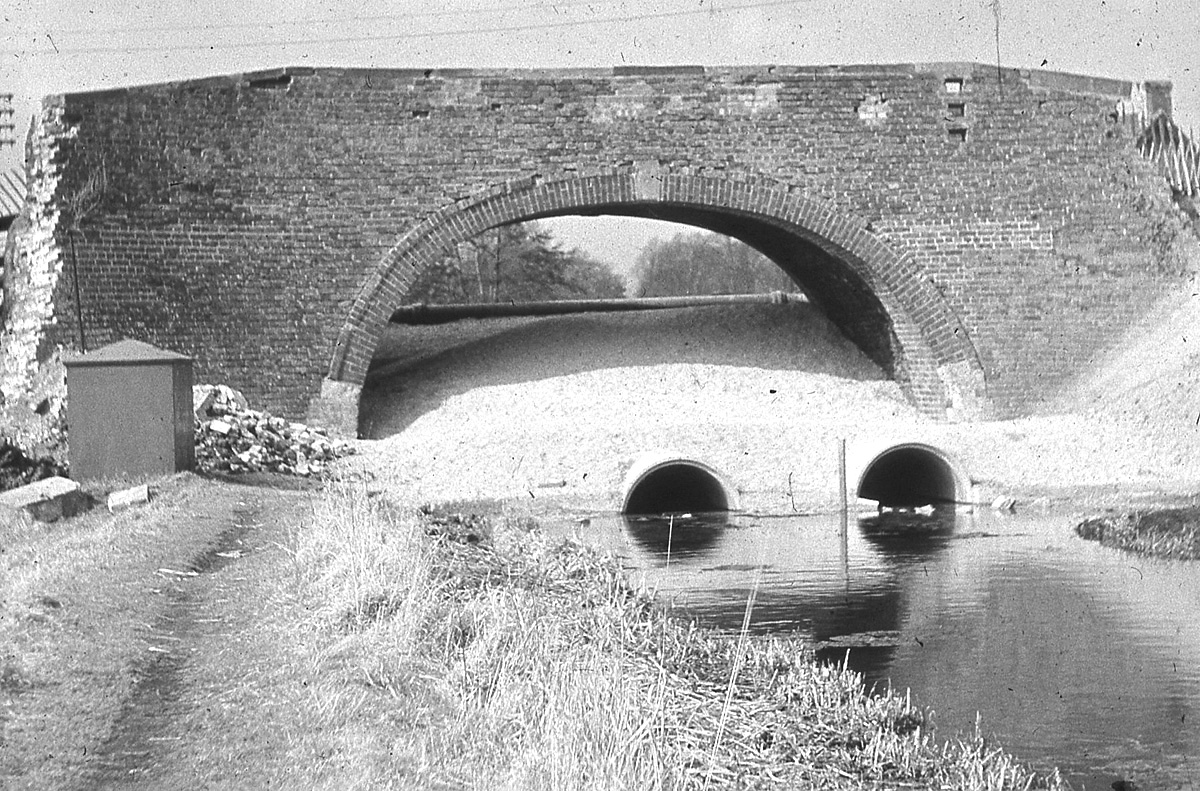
[[663, 483], [913, 475]]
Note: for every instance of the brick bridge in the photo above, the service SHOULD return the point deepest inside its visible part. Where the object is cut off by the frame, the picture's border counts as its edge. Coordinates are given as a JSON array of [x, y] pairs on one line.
[[980, 234]]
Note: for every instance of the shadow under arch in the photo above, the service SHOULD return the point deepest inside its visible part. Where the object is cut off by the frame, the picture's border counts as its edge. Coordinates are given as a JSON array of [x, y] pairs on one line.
[[660, 482], [873, 294], [914, 474]]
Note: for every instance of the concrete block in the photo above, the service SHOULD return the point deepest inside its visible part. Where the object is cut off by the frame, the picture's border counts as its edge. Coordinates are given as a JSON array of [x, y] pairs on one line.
[[47, 500], [125, 498]]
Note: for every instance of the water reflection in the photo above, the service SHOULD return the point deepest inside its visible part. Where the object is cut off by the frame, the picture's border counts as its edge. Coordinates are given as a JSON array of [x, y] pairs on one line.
[[678, 536], [715, 560], [903, 534], [1073, 654]]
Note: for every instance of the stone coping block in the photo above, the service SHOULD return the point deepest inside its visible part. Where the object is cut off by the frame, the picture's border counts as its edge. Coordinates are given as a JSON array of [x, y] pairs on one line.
[[47, 500]]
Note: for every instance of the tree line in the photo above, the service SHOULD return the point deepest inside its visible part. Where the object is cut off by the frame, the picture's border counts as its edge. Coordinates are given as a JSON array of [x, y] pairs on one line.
[[524, 263], [517, 263], [695, 263]]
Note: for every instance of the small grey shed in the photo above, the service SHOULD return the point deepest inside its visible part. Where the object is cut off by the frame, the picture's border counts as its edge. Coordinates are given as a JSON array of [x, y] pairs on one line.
[[129, 412]]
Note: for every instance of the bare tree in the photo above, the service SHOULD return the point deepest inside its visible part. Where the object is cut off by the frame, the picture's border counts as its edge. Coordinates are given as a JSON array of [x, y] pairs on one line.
[[76, 207]]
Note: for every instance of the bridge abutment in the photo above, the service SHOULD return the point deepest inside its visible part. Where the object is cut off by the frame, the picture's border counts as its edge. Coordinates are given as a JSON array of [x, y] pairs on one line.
[[336, 408]]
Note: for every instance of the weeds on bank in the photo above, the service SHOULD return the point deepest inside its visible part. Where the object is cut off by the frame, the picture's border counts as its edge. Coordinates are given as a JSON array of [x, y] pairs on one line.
[[488, 655], [1165, 533]]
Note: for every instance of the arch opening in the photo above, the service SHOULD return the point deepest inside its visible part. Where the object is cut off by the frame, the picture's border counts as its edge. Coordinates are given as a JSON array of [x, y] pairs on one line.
[[832, 283], [870, 291], [676, 487], [911, 476]]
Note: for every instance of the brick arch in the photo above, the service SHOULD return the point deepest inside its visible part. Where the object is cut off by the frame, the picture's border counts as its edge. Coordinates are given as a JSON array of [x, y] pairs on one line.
[[936, 360]]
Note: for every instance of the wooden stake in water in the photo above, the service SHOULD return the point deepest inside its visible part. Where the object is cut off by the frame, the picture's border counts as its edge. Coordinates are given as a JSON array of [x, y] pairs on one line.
[[670, 537], [842, 474], [845, 525]]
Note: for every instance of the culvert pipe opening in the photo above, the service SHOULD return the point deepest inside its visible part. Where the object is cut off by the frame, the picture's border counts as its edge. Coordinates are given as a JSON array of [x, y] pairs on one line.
[[911, 476], [676, 486]]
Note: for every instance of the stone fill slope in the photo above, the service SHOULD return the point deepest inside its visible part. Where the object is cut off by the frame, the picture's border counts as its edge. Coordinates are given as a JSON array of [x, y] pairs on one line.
[[558, 409]]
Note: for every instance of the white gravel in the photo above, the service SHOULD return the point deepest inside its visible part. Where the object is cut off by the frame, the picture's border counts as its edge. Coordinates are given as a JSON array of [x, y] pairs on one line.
[[556, 409]]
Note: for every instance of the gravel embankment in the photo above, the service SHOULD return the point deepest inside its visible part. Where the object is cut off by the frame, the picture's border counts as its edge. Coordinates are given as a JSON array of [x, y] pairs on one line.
[[557, 408]]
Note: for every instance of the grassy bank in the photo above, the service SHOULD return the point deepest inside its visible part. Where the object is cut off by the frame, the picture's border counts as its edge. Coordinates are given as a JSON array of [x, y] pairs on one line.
[[1164, 533], [503, 659], [352, 643]]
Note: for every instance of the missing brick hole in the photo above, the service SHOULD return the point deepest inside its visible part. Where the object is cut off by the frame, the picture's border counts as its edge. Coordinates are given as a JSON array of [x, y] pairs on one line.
[[873, 109], [954, 84], [420, 113], [957, 135], [496, 105], [956, 109], [283, 81]]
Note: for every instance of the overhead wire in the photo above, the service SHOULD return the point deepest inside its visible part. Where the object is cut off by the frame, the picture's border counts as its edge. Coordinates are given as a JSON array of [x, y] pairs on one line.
[[412, 35], [444, 12]]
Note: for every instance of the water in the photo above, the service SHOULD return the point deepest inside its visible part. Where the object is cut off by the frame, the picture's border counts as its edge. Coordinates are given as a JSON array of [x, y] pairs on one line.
[[1072, 654]]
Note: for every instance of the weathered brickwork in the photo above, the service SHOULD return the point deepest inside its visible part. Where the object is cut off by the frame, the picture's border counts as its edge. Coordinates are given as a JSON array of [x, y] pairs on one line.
[[34, 265], [981, 236]]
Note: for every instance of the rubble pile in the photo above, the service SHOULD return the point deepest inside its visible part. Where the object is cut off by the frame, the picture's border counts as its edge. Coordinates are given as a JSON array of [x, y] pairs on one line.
[[231, 437], [18, 468]]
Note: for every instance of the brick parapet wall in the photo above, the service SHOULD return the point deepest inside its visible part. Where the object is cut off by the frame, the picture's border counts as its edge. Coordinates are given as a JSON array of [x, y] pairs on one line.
[[244, 215]]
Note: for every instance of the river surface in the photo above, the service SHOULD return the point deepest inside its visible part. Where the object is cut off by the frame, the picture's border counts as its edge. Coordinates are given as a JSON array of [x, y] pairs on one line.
[[1071, 654]]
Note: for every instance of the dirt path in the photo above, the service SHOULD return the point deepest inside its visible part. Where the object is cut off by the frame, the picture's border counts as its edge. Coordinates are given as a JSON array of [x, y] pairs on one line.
[[189, 640], [187, 655]]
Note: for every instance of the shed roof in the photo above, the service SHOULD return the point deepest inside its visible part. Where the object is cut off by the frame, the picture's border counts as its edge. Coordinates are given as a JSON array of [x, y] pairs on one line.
[[124, 353], [12, 192]]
